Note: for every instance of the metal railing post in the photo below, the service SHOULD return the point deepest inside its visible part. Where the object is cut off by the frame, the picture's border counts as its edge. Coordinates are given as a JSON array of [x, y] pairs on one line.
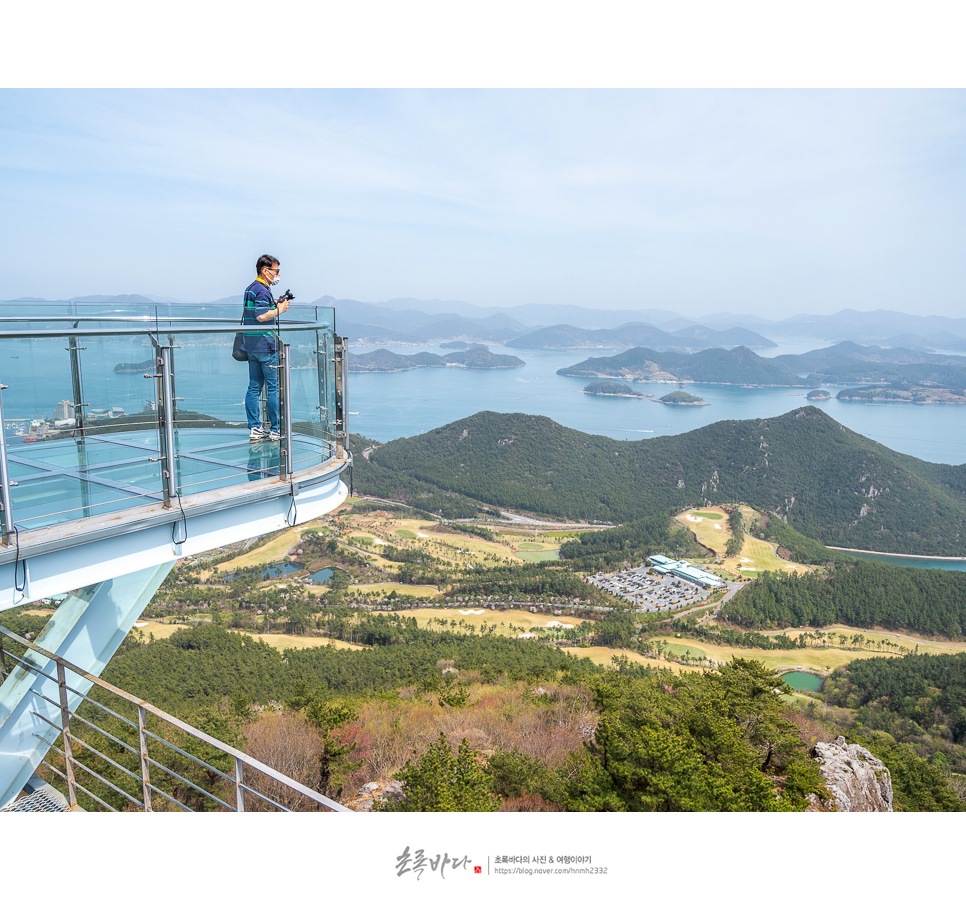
[[167, 424], [175, 398], [6, 507], [341, 372], [322, 371], [239, 789], [285, 379], [77, 384], [145, 761], [77, 387], [68, 745]]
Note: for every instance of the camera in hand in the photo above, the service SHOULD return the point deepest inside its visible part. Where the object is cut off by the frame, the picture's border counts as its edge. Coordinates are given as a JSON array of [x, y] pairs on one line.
[[288, 295]]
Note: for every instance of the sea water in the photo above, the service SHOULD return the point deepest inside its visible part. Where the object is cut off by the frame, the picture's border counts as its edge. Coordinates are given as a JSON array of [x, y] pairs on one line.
[[912, 562], [407, 403]]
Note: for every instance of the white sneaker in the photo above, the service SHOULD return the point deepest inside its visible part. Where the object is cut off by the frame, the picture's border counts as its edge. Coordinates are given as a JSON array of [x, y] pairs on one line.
[[274, 436], [257, 434]]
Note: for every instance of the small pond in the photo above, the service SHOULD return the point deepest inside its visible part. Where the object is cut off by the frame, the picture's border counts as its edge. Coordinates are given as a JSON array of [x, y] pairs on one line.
[[280, 568], [272, 571], [322, 576], [803, 680]]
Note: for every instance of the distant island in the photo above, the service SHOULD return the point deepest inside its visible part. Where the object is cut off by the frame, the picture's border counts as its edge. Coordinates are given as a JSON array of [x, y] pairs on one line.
[[860, 367], [383, 361], [906, 394], [611, 388], [739, 367], [818, 394], [137, 368], [680, 398]]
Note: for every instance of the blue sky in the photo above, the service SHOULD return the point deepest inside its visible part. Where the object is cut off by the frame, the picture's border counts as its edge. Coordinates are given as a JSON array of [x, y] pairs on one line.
[[772, 202]]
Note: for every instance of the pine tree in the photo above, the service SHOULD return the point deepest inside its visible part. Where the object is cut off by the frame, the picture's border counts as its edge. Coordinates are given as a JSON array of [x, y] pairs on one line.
[[442, 781]]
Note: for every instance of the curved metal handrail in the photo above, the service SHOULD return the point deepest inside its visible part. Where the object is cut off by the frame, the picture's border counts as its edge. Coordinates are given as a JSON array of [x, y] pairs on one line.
[[145, 323]]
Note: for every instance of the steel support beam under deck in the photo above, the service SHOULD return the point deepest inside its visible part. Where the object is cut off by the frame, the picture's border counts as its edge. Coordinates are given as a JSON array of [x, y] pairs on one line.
[[88, 627]]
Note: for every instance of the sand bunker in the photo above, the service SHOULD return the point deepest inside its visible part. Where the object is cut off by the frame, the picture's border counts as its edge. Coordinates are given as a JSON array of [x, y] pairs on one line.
[[717, 527], [692, 519], [559, 625], [744, 560], [527, 636], [474, 613]]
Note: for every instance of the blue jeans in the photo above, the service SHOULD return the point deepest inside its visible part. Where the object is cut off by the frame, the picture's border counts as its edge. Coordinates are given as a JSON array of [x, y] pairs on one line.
[[261, 371]]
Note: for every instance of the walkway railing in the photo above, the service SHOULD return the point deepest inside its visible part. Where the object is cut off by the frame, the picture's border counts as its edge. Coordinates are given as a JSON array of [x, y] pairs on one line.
[[111, 761], [109, 410]]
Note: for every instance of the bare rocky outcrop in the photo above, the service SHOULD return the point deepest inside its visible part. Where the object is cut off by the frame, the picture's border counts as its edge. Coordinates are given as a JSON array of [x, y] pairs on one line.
[[371, 793], [856, 779]]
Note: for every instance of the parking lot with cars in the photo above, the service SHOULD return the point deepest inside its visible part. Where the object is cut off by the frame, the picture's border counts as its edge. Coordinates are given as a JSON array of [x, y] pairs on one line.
[[651, 592]]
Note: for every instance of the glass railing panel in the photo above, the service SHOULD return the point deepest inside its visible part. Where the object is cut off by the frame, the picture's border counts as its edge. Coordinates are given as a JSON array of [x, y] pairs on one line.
[[326, 316], [327, 372], [209, 384], [119, 385], [210, 420], [312, 438], [30, 308], [58, 497], [37, 375]]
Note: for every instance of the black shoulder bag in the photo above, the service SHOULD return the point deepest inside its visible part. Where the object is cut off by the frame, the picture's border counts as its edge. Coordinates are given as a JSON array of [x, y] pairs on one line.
[[238, 351]]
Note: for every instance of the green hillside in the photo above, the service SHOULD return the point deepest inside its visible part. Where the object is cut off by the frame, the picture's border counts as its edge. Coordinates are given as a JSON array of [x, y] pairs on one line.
[[611, 388], [384, 361], [681, 398], [830, 483]]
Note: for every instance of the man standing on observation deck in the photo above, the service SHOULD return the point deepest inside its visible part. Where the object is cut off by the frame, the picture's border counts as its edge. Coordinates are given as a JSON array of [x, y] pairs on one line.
[[262, 346]]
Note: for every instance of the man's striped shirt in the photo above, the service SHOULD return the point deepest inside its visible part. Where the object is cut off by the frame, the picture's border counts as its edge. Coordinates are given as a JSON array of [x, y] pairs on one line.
[[258, 300]]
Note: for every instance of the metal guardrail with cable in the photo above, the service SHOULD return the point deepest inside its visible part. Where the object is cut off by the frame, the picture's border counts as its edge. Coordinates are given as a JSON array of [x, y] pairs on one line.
[[242, 784]]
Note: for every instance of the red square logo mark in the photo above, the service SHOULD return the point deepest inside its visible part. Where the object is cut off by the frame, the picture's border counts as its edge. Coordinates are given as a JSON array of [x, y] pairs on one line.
[[477, 870]]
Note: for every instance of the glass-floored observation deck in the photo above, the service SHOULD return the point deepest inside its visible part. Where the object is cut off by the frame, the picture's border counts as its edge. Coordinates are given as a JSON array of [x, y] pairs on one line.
[[132, 407]]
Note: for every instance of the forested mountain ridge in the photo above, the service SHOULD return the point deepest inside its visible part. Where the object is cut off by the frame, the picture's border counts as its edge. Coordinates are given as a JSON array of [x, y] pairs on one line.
[[824, 359], [830, 483], [740, 366], [868, 372], [848, 363]]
